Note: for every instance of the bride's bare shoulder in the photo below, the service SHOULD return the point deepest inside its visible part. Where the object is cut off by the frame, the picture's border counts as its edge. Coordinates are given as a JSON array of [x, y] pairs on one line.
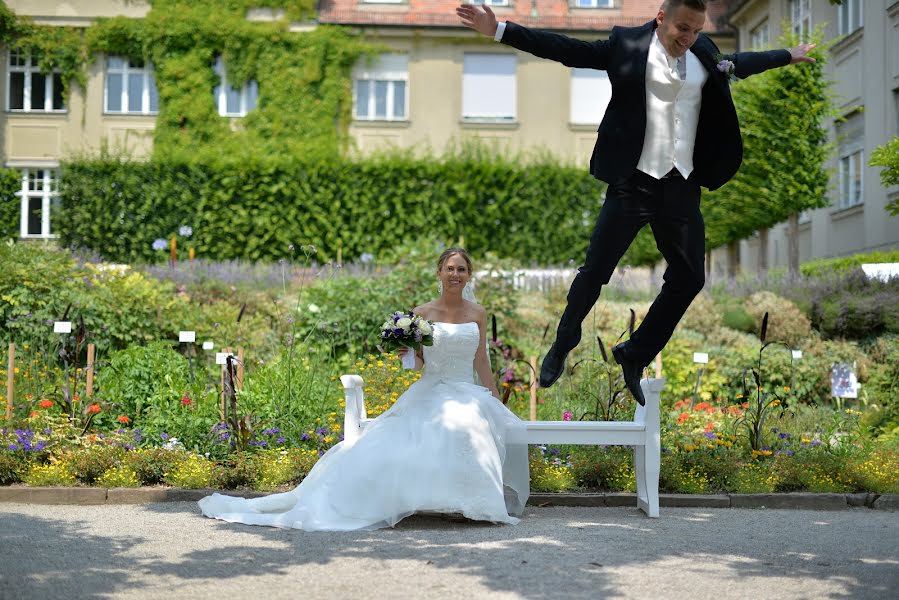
[[424, 310]]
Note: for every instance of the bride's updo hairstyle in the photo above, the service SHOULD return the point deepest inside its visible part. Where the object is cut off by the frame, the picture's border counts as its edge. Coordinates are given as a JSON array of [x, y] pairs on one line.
[[451, 252]]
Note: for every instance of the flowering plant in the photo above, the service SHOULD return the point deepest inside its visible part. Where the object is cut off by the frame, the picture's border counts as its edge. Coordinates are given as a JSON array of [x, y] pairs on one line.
[[726, 66], [405, 329]]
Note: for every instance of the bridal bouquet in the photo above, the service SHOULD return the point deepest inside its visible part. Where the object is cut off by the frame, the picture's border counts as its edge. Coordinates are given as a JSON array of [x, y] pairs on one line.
[[406, 329]]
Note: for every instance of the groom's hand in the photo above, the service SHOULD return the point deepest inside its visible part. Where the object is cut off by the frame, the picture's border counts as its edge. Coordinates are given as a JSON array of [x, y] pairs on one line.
[[482, 21], [799, 54]]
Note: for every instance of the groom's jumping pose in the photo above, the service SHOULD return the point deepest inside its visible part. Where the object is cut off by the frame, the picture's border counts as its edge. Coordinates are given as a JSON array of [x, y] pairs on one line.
[[670, 128]]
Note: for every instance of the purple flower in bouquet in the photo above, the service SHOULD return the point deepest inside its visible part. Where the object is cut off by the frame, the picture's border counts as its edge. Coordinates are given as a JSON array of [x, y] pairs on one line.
[[405, 329], [727, 67]]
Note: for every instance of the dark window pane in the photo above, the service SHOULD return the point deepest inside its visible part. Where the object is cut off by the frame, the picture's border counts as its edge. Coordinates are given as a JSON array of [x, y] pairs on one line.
[[34, 215], [114, 92], [16, 91], [135, 91], [232, 101], [55, 206], [399, 99], [381, 99], [57, 92], [362, 95], [38, 91], [154, 93]]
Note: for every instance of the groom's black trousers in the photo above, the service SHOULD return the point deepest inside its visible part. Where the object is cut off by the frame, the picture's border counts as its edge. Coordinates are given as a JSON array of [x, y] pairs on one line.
[[671, 208]]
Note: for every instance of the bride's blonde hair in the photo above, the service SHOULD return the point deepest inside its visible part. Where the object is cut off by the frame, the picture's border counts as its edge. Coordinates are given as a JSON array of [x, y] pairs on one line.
[[451, 252]]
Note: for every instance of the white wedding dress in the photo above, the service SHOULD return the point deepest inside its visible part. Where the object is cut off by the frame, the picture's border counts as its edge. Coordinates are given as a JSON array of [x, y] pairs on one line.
[[442, 447]]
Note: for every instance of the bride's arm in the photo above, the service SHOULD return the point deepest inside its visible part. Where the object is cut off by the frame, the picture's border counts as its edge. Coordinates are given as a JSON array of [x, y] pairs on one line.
[[481, 364], [419, 354]]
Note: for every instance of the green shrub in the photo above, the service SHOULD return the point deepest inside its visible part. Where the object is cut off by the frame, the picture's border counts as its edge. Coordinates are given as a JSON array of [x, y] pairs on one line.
[[786, 322], [53, 474], [855, 307], [10, 204], [702, 316], [151, 464], [238, 470], [279, 467], [89, 463], [752, 478], [737, 318], [120, 476], [846, 264], [192, 472], [610, 468], [548, 474], [11, 466]]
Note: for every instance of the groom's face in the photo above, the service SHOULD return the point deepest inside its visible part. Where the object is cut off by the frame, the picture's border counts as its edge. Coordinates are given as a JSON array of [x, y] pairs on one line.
[[679, 28]]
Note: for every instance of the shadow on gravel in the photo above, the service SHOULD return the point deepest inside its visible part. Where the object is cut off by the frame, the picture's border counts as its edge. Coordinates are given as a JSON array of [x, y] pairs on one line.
[[542, 558]]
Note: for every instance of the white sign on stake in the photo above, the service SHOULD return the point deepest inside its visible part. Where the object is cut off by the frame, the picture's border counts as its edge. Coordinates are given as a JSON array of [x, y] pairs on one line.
[[207, 345], [797, 354], [187, 336], [222, 357], [701, 357], [62, 327]]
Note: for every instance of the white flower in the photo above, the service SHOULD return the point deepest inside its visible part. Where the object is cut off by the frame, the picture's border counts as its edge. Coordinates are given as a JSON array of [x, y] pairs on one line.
[[313, 308], [405, 323], [387, 325], [185, 231], [424, 327]]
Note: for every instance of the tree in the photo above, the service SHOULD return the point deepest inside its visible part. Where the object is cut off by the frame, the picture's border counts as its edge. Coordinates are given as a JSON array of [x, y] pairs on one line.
[[887, 156], [782, 115]]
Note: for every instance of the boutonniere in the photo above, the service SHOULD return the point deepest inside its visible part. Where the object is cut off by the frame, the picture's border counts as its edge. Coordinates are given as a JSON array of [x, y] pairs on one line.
[[726, 66]]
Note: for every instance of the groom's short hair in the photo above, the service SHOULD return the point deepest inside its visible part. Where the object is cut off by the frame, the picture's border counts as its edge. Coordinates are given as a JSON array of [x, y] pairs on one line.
[[671, 5]]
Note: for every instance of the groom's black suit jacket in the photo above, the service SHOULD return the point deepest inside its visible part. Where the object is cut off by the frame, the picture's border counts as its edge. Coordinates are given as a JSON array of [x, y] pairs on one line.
[[718, 150]]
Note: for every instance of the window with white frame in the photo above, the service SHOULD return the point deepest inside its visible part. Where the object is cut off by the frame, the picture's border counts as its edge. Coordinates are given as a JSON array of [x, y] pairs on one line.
[[593, 3], [850, 134], [381, 89], [231, 101], [758, 37], [39, 197], [489, 88], [590, 95], [850, 16], [130, 87], [492, 2], [801, 17], [29, 90]]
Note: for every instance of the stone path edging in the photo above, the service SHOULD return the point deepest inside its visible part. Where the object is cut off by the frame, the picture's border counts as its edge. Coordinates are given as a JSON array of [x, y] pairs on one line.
[[799, 500]]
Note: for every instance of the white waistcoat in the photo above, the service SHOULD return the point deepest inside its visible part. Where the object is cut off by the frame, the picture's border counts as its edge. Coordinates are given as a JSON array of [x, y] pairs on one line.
[[672, 112]]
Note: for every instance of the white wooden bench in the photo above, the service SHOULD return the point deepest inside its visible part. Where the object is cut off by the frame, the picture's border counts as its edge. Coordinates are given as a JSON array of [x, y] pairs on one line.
[[642, 433]]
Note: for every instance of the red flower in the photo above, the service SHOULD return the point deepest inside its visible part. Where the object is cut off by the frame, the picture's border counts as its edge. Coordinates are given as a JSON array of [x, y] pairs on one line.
[[93, 409], [185, 400], [683, 417], [45, 403], [123, 419], [35, 414]]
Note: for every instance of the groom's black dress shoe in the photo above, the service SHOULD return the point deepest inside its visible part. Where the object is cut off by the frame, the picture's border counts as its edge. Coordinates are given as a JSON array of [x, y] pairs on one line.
[[553, 366], [632, 371]]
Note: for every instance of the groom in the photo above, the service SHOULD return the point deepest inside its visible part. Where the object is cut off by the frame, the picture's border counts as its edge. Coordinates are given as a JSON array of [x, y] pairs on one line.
[[670, 128]]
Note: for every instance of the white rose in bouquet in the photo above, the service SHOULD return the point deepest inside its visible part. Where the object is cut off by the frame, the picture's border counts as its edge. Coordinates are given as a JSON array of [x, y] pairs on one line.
[[405, 323], [424, 327], [405, 330]]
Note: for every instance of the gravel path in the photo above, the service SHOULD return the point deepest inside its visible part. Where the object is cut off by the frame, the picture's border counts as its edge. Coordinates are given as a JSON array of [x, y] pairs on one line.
[[157, 550]]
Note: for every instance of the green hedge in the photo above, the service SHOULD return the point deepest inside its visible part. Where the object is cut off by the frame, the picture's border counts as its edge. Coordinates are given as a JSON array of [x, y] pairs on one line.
[[10, 205], [540, 213], [844, 264]]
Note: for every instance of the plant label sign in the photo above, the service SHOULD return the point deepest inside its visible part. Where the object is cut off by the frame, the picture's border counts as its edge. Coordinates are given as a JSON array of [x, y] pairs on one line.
[[843, 381], [797, 354], [187, 336], [222, 357], [701, 358], [62, 327], [207, 345]]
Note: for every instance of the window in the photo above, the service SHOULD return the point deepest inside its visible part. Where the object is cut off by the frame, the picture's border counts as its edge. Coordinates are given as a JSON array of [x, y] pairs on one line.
[[29, 90], [593, 3], [233, 102], [381, 89], [590, 95], [801, 17], [488, 87], [850, 16], [850, 134], [40, 197], [130, 87], [758, 37], [492, 2]]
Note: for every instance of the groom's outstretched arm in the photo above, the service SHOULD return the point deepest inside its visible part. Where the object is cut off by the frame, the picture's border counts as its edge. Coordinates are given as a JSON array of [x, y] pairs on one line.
[[753, 63], [560, 48]]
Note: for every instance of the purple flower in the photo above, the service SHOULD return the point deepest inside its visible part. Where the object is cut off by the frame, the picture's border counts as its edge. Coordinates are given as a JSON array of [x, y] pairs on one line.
[[555, 451], [566, 416], [13, 447], [815, 443], [710, 435], [164, 436], [160, 244], [280, 440], [725, 66], [305, 437], [783, 436], [129, 447]]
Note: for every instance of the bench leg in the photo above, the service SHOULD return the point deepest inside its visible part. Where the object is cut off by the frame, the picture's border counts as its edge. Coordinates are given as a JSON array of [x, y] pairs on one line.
[[652, 467], [640, 475]]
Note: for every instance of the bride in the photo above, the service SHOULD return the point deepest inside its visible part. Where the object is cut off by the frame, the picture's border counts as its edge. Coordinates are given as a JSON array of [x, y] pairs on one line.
[[442, 447]]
